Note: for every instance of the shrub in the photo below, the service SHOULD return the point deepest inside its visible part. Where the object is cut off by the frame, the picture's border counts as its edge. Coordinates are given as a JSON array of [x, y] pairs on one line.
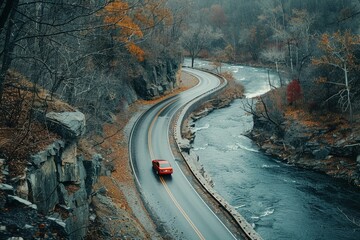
[[293, 91]]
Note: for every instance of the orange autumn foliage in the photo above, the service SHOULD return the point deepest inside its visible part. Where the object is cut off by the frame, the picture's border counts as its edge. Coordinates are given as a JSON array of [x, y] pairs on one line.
[[132, 21], [117, 15], [136, 51], [338, 48], [153, 12]]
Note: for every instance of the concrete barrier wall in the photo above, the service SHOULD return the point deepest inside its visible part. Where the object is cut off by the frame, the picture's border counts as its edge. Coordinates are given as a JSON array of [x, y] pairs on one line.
[[197, 102], [191, 158]]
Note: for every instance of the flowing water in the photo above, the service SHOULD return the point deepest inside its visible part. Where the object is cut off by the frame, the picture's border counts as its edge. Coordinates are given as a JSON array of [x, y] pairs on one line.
[[279, 200]]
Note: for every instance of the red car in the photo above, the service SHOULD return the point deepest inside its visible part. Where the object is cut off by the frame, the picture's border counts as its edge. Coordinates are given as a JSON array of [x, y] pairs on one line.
[[162, 167]]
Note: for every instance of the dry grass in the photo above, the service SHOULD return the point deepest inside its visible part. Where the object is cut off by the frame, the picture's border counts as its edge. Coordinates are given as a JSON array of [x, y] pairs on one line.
[[233, 90], [301, 115], [20, 133], [315, 120], [334, 126]]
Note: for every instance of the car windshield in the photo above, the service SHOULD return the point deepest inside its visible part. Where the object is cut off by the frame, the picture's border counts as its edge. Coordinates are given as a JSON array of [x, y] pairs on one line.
[[164, 164]]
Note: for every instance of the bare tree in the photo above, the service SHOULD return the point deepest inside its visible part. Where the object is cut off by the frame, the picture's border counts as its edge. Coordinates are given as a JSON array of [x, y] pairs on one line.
[[267, 108], [198, 38], [300, 37], [39, 33], [7, 17], [6, 7], [339, 51], [274, 55]]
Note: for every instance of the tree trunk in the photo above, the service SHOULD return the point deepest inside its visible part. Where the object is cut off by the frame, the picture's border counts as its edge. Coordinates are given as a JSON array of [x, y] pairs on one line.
[[290, 56], [348, 92], [6, 12], [8, 49]]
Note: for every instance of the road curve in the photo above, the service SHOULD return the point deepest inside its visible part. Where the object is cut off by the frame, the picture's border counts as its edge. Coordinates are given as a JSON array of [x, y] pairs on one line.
[[173, 202]]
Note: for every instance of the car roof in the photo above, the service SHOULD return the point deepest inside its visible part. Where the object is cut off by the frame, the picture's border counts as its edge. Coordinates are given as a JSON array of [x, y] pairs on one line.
[[160, 160]]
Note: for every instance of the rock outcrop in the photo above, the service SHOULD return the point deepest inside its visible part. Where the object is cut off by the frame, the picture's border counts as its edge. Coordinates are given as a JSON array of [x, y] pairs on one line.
[[51, 199], [333, 150], [157, 80]]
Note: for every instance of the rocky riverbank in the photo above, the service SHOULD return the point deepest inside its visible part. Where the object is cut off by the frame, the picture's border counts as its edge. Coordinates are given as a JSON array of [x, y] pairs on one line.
[[324, 143]]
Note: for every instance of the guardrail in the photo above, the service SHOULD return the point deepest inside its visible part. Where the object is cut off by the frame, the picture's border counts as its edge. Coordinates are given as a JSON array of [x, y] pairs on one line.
[[191, 158]]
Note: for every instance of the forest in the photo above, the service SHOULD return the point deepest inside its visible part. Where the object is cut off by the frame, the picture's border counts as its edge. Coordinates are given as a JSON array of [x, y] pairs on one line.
[[315, 43], [91, 53]]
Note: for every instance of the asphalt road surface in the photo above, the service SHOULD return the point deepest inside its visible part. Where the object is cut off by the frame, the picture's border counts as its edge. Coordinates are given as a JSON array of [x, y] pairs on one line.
[[176, 206]]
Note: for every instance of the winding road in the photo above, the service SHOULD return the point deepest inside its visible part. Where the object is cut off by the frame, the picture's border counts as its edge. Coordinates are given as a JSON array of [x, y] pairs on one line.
[[172, 201]]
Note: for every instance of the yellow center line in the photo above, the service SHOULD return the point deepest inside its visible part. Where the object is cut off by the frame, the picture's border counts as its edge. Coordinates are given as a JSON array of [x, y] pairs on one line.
[[181, 209], [172, 197], [152, 125]]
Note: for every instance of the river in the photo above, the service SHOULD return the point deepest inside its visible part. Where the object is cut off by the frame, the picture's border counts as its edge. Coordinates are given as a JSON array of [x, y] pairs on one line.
[[279, 200]]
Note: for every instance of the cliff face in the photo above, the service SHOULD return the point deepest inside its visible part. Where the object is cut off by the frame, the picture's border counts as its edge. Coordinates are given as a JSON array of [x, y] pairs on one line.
[[157, 79], [330, 145], [51, 198]]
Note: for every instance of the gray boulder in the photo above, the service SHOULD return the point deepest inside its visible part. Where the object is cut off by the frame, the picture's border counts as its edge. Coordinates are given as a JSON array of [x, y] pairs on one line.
[[321, 153], [66, 124]]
